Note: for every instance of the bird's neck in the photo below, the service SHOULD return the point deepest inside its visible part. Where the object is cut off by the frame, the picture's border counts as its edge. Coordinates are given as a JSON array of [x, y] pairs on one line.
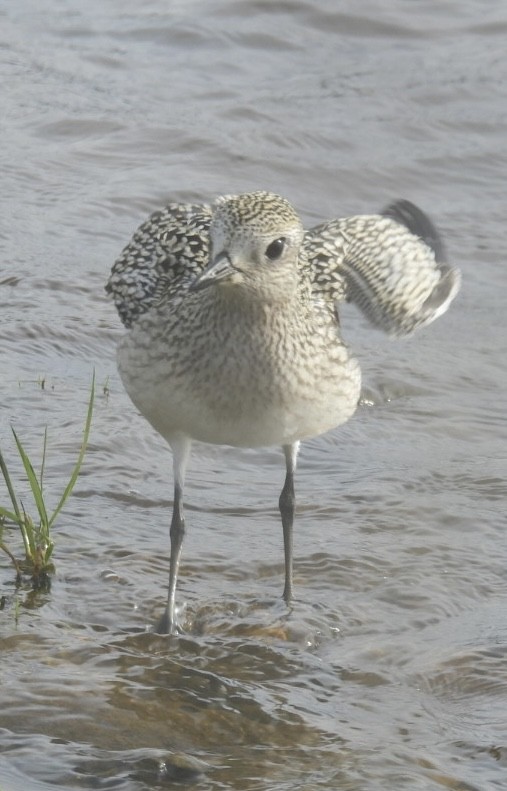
[[248, 300]]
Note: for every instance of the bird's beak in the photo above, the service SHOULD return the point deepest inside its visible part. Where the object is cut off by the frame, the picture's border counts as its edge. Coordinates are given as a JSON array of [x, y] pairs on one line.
[[220, 269]]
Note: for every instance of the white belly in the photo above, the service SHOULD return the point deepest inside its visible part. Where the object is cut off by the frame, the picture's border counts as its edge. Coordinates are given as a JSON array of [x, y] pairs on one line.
[[235, 405]]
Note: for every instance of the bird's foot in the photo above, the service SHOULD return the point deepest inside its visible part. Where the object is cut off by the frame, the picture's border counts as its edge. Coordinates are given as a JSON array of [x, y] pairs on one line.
[[167, 625]]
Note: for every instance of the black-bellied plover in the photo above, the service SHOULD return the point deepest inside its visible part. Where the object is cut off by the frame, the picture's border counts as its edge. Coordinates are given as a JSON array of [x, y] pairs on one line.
[[233, 334]]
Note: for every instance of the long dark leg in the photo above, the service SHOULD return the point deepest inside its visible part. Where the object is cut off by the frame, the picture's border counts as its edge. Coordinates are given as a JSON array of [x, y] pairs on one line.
[[181, 450], [287, 504]]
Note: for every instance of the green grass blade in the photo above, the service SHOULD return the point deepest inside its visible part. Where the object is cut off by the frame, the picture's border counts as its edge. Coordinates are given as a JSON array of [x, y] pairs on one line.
[[77, 467], [17, 517], [28, 534], [11, 556], [10, 488], [43, 462], [33, 481], [10, 515]]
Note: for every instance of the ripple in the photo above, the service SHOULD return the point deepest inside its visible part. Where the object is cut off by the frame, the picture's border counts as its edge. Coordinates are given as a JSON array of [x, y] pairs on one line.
[[389, 670]]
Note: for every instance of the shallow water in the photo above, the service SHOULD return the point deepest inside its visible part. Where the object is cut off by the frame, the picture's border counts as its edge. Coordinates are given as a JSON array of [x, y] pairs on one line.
[[390, 671]]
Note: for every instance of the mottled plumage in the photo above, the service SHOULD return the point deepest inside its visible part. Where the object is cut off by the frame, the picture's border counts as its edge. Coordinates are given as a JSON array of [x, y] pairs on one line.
[[233, 333]]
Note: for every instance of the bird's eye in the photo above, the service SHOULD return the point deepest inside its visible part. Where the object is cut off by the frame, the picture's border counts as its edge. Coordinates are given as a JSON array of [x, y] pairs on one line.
[[275, 249]]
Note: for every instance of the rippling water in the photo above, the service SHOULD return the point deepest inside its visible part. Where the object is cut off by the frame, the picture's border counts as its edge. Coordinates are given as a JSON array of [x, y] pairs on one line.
[[390, 673]]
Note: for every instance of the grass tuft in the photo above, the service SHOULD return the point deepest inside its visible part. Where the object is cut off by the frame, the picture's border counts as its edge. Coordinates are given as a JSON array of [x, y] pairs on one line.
[[36, 532]]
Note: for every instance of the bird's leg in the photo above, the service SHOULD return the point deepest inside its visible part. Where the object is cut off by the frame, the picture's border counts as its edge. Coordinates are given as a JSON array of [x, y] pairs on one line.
[[287, 504], [181, 450]]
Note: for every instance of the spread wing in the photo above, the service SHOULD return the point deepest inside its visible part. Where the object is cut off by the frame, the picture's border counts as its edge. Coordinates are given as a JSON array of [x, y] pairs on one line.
[[164, 256], [391, 265]]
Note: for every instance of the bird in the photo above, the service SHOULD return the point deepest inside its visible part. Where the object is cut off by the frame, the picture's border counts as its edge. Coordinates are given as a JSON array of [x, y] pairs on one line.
[[233, 334]]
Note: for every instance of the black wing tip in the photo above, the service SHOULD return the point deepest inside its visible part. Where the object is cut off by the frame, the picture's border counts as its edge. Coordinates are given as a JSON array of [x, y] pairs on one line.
[[412, 217]]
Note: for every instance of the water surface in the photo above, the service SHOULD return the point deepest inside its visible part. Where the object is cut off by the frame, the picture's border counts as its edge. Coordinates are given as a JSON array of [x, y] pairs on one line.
[[390, 671]]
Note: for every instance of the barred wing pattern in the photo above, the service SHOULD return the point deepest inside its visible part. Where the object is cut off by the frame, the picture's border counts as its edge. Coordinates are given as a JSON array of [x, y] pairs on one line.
[[390, 265], [167, 252]]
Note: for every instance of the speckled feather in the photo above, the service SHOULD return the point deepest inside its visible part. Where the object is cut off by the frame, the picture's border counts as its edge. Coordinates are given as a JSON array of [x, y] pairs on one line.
[[164, 256], [383, 263]]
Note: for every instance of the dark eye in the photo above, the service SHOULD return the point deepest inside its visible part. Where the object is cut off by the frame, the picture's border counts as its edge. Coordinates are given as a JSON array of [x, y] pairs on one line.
[[275, 249]]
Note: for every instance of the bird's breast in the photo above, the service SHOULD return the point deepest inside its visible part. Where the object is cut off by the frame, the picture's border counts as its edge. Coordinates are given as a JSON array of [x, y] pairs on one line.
[[238, 379]]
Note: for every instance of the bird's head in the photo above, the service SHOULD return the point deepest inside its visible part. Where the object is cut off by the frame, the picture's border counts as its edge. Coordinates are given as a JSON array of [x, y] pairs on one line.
[[255, 242]]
